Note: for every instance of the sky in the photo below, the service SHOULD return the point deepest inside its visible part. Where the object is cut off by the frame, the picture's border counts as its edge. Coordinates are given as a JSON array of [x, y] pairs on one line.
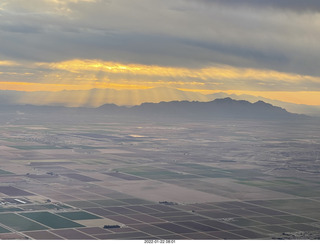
[[266, 48]]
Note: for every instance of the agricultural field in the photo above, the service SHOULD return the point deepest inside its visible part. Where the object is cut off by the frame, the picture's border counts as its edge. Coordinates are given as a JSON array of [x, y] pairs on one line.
[[148, 179]]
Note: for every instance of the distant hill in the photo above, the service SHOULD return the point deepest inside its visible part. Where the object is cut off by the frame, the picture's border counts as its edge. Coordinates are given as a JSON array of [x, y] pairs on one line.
[[219, 108]]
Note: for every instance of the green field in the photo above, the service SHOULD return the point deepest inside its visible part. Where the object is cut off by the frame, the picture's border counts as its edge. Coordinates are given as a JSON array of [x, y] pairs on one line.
[[206, 171], [80, 215], [3, 172], [10, 209], [51, 220], [19, 223], [37, 207], [155, 173], [35, 147], [3, 230]]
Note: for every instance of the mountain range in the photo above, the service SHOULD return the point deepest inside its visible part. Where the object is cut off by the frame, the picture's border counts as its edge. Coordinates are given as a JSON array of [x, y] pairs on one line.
[[225, 108], [98, 97], [218, 109]]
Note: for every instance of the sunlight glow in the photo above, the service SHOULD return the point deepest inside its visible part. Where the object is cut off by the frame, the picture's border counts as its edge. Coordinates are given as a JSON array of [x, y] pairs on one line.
[[87, 74], [205, 74], [7, 63], [55, 87]]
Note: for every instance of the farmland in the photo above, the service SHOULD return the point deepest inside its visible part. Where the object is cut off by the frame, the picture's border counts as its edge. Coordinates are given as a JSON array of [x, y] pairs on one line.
[[158, 180]]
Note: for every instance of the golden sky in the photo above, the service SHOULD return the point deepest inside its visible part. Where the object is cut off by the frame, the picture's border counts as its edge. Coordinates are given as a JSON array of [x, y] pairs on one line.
[[86, 74], [265, 48]]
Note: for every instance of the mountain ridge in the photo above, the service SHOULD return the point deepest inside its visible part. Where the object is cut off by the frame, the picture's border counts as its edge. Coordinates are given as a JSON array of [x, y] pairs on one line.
[[221, 108], [97, 97], [218, 108]]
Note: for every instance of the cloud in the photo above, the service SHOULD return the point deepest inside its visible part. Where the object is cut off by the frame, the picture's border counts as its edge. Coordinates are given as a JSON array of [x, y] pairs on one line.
[[181, 41], [211, 77], [293, 5], [174, 33], [8, 63], [40, 6]]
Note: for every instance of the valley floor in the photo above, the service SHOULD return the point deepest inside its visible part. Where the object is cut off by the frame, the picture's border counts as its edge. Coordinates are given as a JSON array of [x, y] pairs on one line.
[[159, 180]]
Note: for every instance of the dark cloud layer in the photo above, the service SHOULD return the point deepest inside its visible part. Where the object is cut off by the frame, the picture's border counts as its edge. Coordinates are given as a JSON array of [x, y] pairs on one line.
[[295, 5]]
